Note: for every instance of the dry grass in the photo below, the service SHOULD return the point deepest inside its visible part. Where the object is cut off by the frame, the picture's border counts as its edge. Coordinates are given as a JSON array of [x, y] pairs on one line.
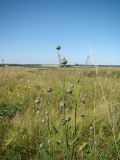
[[41, 131]]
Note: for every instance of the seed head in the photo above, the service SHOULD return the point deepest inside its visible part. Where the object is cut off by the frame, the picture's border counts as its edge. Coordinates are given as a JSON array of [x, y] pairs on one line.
[[49, 90], [37, 86], [62, 104], [71, 85], [59, 142], [91, 128], [27, 87], [38, 112], [46, 113], [28, 81], [83, 100], [67, 109], [41, 145], [37, 100], [64, 61], [48, 141], [58, 47], [68, 119], [43, 121], [69, 90]]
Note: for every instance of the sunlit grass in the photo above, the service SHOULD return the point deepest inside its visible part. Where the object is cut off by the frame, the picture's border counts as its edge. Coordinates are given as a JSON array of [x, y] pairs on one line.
[[43, 117]]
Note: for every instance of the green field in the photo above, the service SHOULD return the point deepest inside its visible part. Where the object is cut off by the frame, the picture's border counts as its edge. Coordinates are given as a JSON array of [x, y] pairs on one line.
[[60, 114]]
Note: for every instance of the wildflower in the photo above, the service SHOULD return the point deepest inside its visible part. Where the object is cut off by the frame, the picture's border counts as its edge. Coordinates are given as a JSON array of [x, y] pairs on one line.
[[63, 61], [37, 100], [49, 90]]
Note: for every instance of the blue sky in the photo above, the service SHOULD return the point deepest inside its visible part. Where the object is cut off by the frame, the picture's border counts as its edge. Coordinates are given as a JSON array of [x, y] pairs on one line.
[[30, 30]]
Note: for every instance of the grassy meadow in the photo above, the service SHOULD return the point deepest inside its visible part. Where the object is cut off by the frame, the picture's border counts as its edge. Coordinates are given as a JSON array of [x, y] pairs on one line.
[[59, 114]]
